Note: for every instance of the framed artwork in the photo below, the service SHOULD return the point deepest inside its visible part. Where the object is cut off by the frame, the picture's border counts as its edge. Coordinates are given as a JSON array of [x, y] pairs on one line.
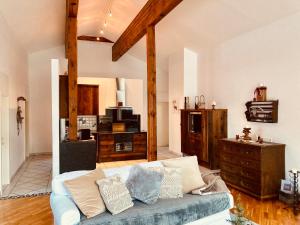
[[287, 186]]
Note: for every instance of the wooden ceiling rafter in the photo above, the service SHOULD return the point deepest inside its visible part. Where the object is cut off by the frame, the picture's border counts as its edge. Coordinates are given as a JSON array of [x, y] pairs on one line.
[[150, 15], [92, 38]]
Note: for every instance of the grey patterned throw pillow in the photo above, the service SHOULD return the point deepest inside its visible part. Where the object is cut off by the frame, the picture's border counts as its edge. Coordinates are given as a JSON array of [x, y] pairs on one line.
[[114, 194], [143, 184]]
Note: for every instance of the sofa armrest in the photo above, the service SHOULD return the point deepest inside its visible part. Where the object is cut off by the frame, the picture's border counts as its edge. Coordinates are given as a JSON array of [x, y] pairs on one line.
[[64, 210]]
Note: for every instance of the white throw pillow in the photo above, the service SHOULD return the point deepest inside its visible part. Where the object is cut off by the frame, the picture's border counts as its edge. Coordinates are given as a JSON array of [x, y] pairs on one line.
[[58, 186], [191, 176], [171, 185], [85, 193], [114, 194]]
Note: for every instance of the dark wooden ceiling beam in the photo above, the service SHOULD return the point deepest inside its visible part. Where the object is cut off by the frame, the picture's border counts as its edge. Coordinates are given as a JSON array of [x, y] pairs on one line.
[[71, 12], [150, 15], [92, 38], [71, 55]]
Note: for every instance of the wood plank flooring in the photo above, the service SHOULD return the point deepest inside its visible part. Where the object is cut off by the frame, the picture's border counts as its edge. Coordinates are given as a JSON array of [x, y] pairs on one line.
[[268, 212], [26, 211]]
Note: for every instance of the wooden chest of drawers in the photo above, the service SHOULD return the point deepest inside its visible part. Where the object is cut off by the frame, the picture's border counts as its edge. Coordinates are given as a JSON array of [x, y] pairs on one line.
[[253, 168]]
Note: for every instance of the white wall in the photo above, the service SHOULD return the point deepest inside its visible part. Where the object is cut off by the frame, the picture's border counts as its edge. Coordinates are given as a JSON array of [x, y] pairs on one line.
[[14, 65], [190, 71], [94, 60], [176, 92], [134, 91], [183, 81], [163, 124], [269, 55], [40, 97]]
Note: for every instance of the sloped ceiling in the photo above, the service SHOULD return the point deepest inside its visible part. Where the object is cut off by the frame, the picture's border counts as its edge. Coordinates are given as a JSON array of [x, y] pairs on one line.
[[37, 24], [40, 24]]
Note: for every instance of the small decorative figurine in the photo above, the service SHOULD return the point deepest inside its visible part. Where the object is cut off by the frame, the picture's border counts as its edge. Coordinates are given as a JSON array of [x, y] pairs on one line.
[[247, 132], [197, 102], [186, 102], [213, 105], [19, 116], [202, 102]]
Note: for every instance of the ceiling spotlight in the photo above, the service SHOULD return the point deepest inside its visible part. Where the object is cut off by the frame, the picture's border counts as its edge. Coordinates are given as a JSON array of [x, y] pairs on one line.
[[110, 13], [98, 39], [105, 24], [101, 31]]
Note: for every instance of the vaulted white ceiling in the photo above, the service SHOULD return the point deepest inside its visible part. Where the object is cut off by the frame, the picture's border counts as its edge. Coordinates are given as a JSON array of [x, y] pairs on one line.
[[37, 24], [40, 24]]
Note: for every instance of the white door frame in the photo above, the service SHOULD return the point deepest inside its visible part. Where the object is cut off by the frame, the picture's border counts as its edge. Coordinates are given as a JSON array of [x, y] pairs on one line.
[[4, 132]]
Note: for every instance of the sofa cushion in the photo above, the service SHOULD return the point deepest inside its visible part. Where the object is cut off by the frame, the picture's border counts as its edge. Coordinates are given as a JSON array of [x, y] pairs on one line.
[[191, 176], [171, 186], [166, 211], [58, 186], [144, 184], [85, 193], [115, 194]]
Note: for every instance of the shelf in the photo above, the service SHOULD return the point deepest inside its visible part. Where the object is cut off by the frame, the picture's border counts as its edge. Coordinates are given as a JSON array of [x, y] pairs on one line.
[[263, 112]]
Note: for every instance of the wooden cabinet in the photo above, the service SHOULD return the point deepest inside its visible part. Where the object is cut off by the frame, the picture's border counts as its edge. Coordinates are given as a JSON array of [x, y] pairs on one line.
[[200, 131], [88, 99], [253, 168], [107, 146]]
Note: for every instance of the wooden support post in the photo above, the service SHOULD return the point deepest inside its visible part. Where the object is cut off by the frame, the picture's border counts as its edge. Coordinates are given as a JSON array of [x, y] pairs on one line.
[[151, 82], [71, 55]]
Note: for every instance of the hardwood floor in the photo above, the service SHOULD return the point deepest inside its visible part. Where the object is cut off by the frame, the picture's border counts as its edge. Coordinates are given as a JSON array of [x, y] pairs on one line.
[[270, 212], [26, 211]]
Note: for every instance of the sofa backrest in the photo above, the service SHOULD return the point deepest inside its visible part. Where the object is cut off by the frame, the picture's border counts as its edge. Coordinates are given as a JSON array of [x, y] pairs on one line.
[[58, 187]]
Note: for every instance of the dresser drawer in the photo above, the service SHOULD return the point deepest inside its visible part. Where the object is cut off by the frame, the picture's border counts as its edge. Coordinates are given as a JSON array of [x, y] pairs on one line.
[[230, 178], [250, 174], [230, 168], [229, 148], [250, 164], [106, 148], [250, 152], [230, 158], [140, 148], [140, 137], [251, 186]]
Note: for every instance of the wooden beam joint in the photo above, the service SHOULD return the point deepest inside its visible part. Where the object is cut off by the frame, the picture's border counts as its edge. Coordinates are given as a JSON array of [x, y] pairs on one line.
[[149, 16]]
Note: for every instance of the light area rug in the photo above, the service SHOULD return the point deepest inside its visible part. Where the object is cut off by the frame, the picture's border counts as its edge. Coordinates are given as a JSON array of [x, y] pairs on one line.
[[32, 179]]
